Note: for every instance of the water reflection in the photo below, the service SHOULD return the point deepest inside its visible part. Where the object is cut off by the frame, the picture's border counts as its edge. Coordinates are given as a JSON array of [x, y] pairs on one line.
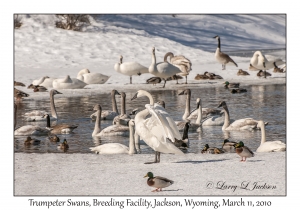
[[266, 103]]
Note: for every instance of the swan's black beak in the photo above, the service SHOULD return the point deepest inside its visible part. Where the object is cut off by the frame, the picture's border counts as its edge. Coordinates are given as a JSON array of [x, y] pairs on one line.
[[264, 64], [134, 97]]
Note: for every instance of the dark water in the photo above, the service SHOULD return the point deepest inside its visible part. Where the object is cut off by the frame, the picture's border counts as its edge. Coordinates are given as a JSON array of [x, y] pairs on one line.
[[266, 103]]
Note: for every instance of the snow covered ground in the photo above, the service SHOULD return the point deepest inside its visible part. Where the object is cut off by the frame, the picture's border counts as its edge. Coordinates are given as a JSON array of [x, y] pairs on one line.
[[40, 49]]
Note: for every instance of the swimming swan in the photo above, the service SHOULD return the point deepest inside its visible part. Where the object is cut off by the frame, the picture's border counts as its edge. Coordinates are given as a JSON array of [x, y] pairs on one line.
[[181, 62], [130, 68], [123, 117], [37, 115], [162, 69], [113, 130], [116, 148], [91, 78], [269, 146], [28, 130], [68, 83], [109, 114], [159, 130], [222, 57], [241, 124]]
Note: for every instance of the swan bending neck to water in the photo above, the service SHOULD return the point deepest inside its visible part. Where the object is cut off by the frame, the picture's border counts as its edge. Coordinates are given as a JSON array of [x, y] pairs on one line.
[[158, 131], [180, 62], [37, 115], [116, 148], [269, 146], [163, 70]]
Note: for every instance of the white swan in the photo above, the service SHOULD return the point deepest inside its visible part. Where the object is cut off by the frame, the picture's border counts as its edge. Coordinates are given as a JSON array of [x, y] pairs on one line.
[[28, 130], [44, 81], [116, 148], [123, 118], [37, 115], [130, 68], [68, 83], [113, 130], [241, 124], [181, 62], [260, 62], [162, 69], [91, 78], [222, 57], [159, 130], [268, 146], [193, 115], [109, 114]]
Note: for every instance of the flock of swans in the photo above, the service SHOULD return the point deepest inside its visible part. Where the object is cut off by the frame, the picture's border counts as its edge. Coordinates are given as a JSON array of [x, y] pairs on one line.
[[153, 125]]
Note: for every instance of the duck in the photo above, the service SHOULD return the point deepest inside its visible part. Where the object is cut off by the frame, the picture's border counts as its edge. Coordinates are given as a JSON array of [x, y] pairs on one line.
[[59, 128], [123, 117], [222, 57], [134, 111], [212, 75], [91, 78], [241, 72], [68, 83], [153, 80], [229, 146], [211, 150], [156, 127], [264, 74], [243, 151], [269, 146], [113, 130], [130, 68], [28, 130], [158, 182], [241, 124], [260, 62], [181, 62], [162, 69], [277, 70], [64, 145], [109, 114], [238, 90], [53, 138], [19, 84], [29, 141], [116, 148], [37, 88], [175, 77], [185, 142], [37, 115], [44, 81], [193, 115], [19, 95], [231, 85], [201, 77]]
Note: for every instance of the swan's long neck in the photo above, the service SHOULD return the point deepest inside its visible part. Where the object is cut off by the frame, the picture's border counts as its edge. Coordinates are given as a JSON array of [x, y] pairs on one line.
[[41, 81], [97, 128], [152, 67], [145, 93], [167, 55], [132, 149], [123, 105], [141, 116], [114, 104], [227, 118], [187, 107], [199, 118], [185, 133], [52, 105], [263, 134]]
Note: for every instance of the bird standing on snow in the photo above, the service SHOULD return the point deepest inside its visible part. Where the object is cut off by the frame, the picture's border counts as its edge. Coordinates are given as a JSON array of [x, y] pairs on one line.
[[243, 151], [222, 57], [158, 182]]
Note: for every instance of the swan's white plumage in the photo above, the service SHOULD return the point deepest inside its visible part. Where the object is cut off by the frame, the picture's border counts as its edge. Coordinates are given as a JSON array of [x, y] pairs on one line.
[[115, 130], [91, 78], [260, 62], [68, 83], [27, 130], [269, 146], [110, 148], [130, 68]]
